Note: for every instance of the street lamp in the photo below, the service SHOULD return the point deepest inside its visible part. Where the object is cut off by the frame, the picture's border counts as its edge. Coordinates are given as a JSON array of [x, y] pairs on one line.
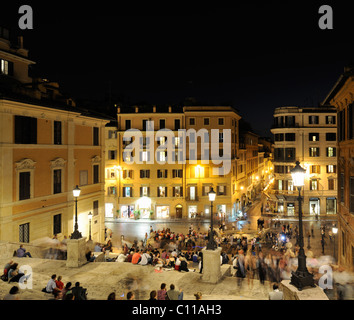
[[211, 243], [301, 277], [76, 234], [90, 221], [334, 231]]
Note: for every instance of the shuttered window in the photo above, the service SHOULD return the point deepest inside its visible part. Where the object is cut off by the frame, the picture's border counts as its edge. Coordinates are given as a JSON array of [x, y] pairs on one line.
[[24, 185], [25, 130]]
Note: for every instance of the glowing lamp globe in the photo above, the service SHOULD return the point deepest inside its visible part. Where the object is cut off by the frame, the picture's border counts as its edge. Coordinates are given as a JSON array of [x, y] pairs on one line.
[[298, 175], [212, 194]]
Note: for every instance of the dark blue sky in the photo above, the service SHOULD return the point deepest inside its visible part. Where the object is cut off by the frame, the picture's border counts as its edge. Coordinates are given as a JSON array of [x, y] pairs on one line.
[[255, 57]]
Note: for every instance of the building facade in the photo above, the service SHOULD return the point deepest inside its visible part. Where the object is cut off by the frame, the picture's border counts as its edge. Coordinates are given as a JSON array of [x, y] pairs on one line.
[[47, 147], [342, 98], [308, 135], [157, 187]]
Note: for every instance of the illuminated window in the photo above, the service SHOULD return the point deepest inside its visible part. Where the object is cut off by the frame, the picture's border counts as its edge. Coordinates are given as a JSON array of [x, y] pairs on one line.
[[199, 172], [4, 67], [331, 152], [313, 184]]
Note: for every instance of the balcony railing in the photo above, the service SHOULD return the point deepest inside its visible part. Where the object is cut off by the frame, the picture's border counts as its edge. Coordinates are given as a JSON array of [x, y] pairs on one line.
[[189, 198]]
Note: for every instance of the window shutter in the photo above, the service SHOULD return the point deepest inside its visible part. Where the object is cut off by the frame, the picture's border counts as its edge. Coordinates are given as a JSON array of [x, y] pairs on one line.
[[206, 172], [165, 191], [141, 174], [124, 174], [148, 191], [141, 191], [148, 174], [158, 191], [181, 191], [33, 130], [10, 68], [123, 191], [173, 191], [166, 173], [131, 191]]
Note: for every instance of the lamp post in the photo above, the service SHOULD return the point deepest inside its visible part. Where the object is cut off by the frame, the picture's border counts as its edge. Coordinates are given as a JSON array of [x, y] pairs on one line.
[[76, 234], [334, 231], [90, 221], [211, 243], [301, 277]]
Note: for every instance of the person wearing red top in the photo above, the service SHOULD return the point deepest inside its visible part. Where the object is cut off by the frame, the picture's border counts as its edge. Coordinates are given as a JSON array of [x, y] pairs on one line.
[[59, 283], [136, 257]]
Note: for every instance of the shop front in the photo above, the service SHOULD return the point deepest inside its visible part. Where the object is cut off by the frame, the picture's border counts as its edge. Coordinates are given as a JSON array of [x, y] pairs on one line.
[[291, 209], [144, 206], [109, 210], [192, 211], [221, 210], [314, 206], [162, 212], [331, 205], [127, 211]]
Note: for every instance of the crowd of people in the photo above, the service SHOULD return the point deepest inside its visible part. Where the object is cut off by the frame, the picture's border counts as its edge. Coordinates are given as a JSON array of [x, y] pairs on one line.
[[268, 256]]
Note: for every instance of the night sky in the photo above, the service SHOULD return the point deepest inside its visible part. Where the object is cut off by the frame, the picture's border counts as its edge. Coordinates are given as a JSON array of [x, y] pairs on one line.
[[255, 57]]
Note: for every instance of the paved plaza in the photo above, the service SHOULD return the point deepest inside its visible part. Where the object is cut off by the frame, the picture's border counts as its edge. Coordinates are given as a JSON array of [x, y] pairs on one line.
[[102, 278]]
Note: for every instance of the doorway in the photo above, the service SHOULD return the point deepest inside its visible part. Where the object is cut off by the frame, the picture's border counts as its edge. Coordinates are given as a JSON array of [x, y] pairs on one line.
[[178, 211]]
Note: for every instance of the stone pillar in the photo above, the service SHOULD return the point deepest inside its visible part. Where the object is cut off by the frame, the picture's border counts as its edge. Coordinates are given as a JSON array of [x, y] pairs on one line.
[[211, 265], [76, 249], [290, 292]]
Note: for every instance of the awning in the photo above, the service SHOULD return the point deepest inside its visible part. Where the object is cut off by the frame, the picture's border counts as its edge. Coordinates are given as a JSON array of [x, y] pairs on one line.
[[280, 197], [291, 198]]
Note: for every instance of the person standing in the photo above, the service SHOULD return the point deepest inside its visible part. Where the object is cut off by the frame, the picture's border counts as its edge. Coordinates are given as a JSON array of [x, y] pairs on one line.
[[323, 244], [240, 268]]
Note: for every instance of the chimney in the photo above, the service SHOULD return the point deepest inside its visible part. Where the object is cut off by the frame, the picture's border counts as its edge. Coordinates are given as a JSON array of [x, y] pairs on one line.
[[20, 42], [136, 109], [118, 110], [154, 109], [169, 109]]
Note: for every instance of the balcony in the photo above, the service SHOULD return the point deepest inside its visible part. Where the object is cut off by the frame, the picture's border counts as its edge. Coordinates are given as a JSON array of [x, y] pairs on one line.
[[189, 198], [284, 125]]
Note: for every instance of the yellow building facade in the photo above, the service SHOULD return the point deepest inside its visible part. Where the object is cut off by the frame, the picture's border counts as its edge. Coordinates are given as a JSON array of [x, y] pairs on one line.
[[159, 189], [308, 135], [47, 147]]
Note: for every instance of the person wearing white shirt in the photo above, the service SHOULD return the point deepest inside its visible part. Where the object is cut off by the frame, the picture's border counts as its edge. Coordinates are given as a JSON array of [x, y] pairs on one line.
[[121, 258], [51, 285], [276, 294]]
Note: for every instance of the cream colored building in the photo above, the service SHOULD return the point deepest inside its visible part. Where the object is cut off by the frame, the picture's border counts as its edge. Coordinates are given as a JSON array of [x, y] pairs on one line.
[[47, 147], [341, 97], [173, 190], [308, 135]]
